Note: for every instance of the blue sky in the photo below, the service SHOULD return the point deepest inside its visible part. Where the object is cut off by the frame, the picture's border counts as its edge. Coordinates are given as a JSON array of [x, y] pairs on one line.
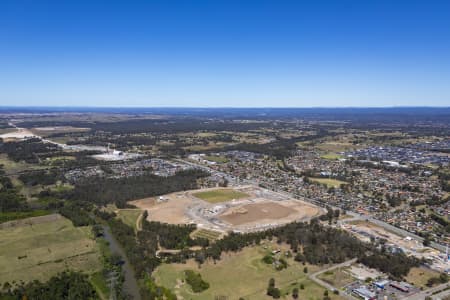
[[225, 53]]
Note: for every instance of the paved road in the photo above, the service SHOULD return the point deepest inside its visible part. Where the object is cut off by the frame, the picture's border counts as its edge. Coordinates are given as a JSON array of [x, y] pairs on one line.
[[314, 277], [355, 216], [423, 294], [399, 231]]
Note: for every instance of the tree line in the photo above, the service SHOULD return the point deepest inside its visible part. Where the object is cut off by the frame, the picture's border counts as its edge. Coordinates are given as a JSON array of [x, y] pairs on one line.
[[67, 285]]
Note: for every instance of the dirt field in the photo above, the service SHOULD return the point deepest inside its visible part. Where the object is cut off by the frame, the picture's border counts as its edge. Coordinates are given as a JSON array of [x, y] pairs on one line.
[[266, 212], [259, 208], [171, 210], [45, 131], [17, 134], [419, 276], [254, 212]]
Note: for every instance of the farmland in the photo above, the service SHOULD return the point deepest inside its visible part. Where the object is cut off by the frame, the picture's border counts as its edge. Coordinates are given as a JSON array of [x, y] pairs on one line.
[[220, 195], [40, 247], [249, 265]]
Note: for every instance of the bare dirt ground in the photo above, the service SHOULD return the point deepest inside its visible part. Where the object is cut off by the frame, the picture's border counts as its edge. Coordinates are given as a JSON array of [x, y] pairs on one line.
[[254, 212], [20, 133], [269, 212], [45, 131], [259, 210], [171, 210]]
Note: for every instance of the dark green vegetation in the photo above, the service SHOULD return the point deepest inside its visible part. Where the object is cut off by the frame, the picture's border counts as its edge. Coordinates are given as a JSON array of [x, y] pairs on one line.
[[30, 151], [311, 242], [196, 282], [102, 191], [67, 285], [276, 134], [13, 205], [272, 290], [43, 177]]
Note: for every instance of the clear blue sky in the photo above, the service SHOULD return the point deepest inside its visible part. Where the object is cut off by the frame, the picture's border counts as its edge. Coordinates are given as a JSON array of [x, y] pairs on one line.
[[225, 53]]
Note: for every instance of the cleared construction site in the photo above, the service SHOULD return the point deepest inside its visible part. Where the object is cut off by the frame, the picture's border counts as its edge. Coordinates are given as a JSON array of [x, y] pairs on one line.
[[238, 209]]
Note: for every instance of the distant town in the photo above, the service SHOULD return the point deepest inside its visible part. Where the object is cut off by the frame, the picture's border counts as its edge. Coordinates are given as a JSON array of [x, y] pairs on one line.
[[159, 202]]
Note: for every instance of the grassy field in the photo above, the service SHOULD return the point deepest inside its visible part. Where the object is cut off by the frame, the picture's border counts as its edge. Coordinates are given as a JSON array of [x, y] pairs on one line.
[[220, 195], [420, 276], [129, 216], [12, 167], [100, 285], [329, 182], [207, 234], [331, 156], [41, 250], [217, 159], [337, 278], [240, 275]]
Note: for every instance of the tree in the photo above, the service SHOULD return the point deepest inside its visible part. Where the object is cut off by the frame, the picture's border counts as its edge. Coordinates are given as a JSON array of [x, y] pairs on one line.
[[305, 270], [271, 282], [295, 293]]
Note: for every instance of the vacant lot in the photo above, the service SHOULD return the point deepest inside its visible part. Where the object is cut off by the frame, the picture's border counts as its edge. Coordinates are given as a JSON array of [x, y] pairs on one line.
[[337, 278], [220, 195], [44, 247], [328, 181], [251, 282], [172, 210], [46, 131], [420, 276], [331, 156], [216, 158], [258, 211]]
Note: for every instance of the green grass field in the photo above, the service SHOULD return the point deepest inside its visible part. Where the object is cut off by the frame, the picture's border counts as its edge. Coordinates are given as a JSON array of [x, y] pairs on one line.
[[129, 216], [328, 181], [331, 156], [220, 195], [337, 278], [206, 234], [240, 275], [41, 250], [100, 285], [217, 159]]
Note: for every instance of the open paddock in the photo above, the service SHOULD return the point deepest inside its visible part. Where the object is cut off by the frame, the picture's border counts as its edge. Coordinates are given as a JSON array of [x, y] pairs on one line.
[[251, 282], [38, 248]]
